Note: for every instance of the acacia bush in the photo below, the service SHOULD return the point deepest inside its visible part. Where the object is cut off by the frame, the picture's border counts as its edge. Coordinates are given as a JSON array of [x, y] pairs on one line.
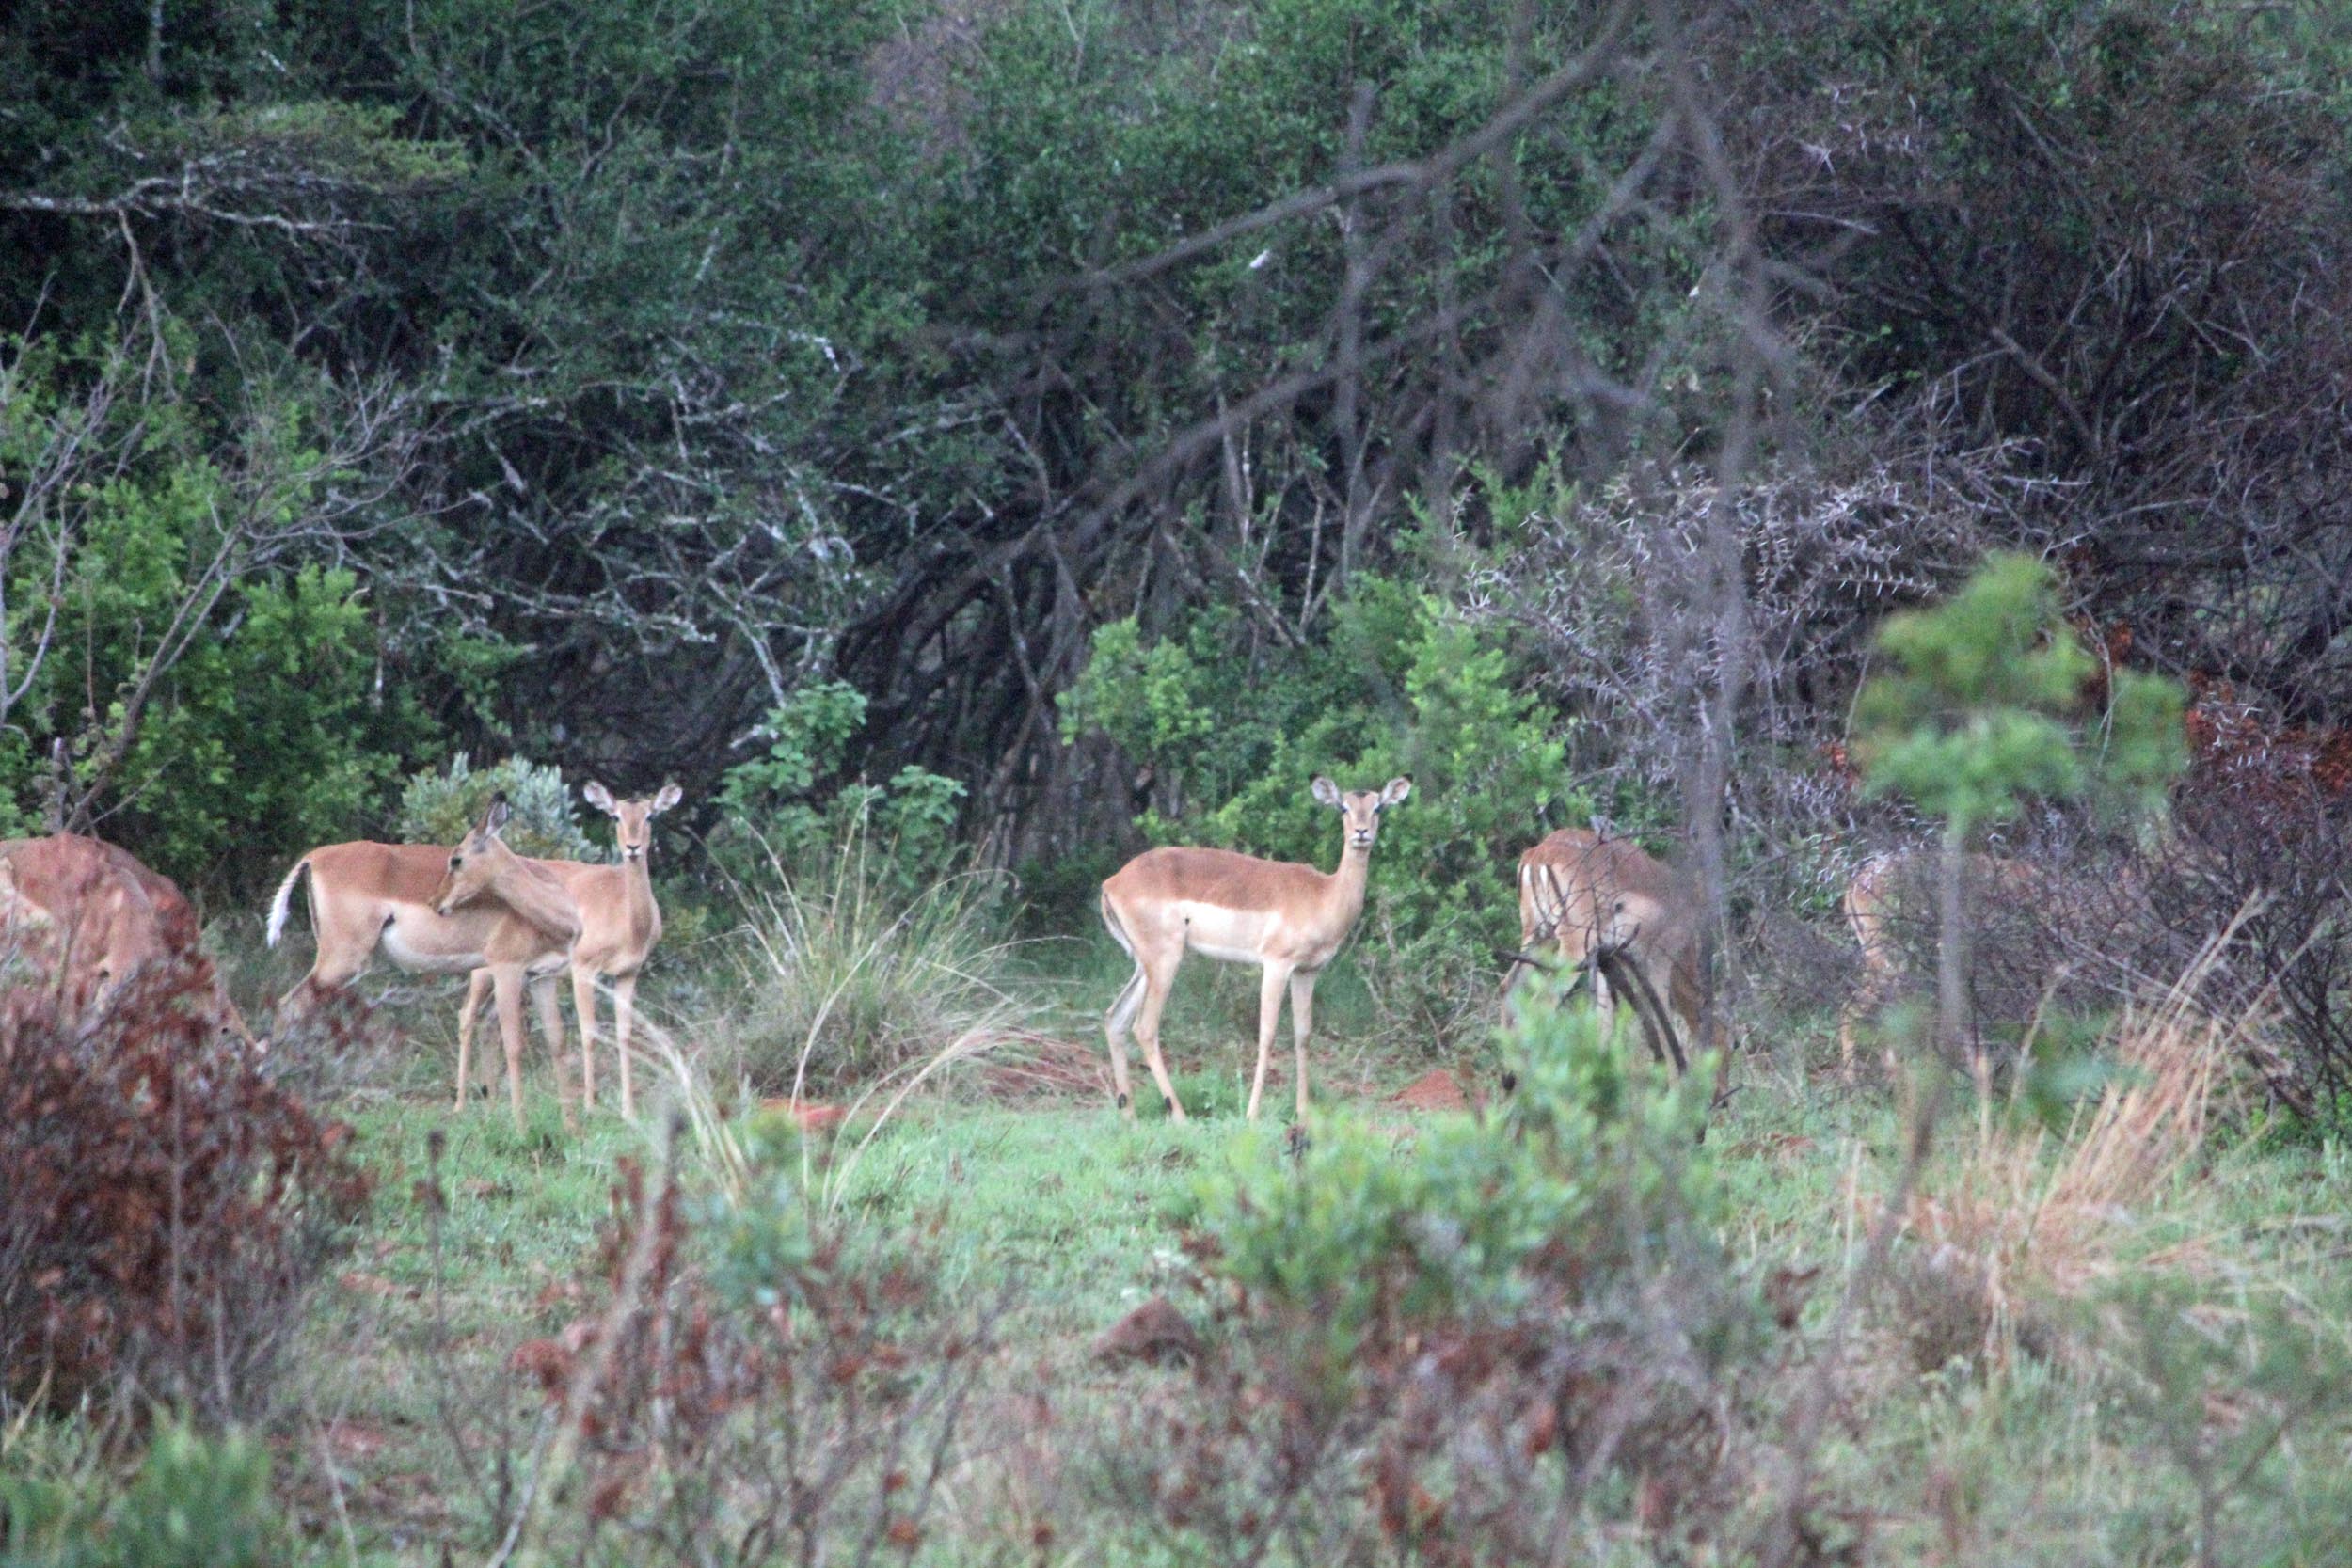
[[166, 1207]]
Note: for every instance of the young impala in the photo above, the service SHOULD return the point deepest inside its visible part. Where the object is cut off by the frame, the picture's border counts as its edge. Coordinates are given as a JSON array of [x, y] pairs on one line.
[[1287, 919], [619, 924], [442, 911]]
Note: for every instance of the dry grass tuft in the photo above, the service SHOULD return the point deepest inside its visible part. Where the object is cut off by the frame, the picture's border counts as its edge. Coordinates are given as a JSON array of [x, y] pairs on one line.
[[2013, 1236]]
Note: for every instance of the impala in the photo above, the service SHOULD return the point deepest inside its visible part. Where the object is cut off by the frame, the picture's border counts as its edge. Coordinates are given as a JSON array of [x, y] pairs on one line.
[[1287, 919], [93, 913], [619, 924], [1586, 893], [442, 911], [1897, 889]]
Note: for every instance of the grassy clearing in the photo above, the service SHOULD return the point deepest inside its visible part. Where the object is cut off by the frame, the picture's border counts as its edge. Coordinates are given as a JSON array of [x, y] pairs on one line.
[[1070, 1212]]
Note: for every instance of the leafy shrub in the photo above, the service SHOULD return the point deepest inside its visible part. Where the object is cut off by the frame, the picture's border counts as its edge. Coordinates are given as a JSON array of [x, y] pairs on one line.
[[194, 1502], [851, 977], [790, 808], [440, 807], [208, 679], [1474, 1341], [166, 1207], [1397, 683]]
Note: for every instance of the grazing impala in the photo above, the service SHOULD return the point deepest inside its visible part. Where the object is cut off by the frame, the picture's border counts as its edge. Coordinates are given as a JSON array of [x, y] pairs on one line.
[[619, 924], [1585, 893], [442, 911], [1893, 895], [96, 916], [1286, 918]]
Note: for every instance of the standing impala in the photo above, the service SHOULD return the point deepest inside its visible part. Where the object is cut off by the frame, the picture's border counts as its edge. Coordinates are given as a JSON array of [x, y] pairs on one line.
[[619, 924], [442, 911], [1286, 918]]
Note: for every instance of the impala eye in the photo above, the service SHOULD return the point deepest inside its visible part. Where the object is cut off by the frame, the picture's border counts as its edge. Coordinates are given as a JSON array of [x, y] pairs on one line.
[[456, 860]]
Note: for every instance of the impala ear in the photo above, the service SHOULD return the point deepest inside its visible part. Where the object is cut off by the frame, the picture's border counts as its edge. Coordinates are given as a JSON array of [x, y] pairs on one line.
[[597, 796], [493, 820], [1324, 790], [1398, 789], [670, 796]]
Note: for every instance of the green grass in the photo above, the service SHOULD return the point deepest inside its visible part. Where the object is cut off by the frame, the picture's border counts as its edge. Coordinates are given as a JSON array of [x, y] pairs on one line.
[[1071, 1210], [1070, 1215]]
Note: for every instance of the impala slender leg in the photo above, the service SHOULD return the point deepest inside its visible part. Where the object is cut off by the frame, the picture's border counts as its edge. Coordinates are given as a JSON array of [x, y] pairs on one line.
[[1116, 1022], [506, 983], [1270, 986], [1156, 989], [551, 1029], [1302, 1026], [585, 1007], [477, 985], [624, 1014]]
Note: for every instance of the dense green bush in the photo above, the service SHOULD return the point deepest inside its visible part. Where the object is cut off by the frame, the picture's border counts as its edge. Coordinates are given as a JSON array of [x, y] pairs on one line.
[[789, 811], [1596, 1155], [211, 680], [194, 1502], [1477, 1335]]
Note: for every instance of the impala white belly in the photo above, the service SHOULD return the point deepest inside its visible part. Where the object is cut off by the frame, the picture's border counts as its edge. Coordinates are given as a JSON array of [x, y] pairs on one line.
[[422, 943], [1236, 936]]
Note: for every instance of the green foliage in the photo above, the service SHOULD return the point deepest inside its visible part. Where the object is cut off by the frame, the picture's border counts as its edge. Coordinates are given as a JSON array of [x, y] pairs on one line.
[[2224, 1393], [196, 1502], [1973, 717], [202, 698], [440, 807], [1596, 1159], [1397, 683], [780, 814], [760, 1233]]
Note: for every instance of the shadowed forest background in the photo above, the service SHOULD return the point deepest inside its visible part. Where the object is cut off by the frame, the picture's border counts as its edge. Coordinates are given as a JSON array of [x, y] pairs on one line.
[[598, 383]]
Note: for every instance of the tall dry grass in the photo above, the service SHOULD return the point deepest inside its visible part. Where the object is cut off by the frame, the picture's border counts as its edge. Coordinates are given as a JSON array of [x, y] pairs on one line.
[[2013, 1235], [858, 984], [855, 974]]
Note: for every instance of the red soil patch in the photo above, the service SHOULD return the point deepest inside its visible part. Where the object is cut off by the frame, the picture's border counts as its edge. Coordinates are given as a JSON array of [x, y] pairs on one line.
[[812, 1116], [1023, 1066], [1434, 1091]]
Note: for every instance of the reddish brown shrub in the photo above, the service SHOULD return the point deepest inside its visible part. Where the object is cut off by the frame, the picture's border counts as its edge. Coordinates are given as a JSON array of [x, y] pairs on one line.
[[755, 1354], [164, 1206]]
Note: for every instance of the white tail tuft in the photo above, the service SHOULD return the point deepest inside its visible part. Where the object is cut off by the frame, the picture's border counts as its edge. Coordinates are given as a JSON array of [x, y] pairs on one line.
[[285, 897]]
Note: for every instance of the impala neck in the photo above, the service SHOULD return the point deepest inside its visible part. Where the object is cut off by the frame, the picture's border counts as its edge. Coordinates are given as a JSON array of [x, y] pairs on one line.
[[1348, 882], [637, 889], [537, 898]]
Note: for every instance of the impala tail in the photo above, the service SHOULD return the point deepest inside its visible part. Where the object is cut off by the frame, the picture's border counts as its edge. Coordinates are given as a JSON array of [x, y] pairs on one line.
[[278, 906]]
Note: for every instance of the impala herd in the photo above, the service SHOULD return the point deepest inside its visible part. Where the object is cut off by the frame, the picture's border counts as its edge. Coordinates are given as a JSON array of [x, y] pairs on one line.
[[90, 916]]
